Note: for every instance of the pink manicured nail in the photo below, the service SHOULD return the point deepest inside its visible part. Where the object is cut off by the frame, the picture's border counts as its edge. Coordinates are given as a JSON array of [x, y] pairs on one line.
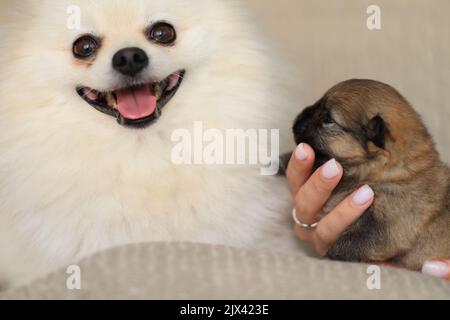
[[436, 269], [330, 170], [300, 152], [363, 196]]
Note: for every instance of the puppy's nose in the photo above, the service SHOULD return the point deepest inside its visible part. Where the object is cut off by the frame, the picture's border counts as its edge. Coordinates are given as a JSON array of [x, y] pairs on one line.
[[130, 61], [303, 120], [303, 126]]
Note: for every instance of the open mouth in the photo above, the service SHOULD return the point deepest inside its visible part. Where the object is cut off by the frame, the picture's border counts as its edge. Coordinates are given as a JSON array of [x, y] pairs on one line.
[[136, 106]]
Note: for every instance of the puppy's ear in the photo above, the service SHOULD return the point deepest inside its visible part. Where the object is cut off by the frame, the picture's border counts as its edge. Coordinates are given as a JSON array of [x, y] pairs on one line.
[[376, 131]]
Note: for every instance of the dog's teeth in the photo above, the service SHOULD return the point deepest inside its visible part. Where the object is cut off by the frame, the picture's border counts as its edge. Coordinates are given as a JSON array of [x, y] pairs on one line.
[[157, 91], [110, 99]]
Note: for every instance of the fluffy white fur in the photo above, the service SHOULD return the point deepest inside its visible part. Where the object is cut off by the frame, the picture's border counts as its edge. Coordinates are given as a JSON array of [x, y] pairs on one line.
[[73, 182]]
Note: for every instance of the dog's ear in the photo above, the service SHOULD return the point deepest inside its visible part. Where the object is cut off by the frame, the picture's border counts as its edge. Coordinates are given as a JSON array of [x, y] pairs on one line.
[[376, 131]]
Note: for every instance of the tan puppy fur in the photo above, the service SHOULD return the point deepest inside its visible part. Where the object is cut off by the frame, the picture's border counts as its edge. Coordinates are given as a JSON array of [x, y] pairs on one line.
[[381, 141]]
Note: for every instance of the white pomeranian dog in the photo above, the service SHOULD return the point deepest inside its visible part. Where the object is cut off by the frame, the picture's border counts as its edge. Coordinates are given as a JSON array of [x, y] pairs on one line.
[[87, 113]]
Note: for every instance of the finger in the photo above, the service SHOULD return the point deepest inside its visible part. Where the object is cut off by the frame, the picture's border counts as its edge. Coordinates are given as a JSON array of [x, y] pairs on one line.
[[300, 167], [438, 269], [303, 234], [313, 195], [333, 225]]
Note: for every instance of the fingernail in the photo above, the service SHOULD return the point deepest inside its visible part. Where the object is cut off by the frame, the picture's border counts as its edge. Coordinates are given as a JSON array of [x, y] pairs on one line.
[[363, 195], [300, 152], [436, 269], [330, 170]]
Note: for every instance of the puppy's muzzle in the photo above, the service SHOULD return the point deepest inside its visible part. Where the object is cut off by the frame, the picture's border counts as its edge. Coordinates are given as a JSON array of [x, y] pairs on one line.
[[304, 128]]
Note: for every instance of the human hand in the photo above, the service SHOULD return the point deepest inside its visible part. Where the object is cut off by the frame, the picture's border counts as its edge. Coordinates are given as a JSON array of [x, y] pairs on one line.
[[311, 192], [438, 269]]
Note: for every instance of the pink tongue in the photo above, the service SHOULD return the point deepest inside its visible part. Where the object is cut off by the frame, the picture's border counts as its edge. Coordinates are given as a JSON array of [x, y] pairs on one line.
[[136, 103]]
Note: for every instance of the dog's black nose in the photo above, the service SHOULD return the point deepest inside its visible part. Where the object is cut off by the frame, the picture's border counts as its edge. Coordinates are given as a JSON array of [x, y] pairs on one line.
[[130, 61]]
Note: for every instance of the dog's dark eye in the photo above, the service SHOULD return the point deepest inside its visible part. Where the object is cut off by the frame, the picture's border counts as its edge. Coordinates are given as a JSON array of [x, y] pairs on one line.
[[85, 47], [162, 33], [328, 118]]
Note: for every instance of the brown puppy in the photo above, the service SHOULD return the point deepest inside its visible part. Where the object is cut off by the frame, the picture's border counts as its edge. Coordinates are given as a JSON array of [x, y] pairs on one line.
[[381, 141]]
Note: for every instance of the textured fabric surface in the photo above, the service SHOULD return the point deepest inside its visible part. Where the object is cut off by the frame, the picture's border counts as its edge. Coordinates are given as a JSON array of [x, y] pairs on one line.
[[194, 271]]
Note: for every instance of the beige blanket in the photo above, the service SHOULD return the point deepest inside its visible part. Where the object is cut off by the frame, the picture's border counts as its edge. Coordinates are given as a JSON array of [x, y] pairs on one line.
[[193, 271]]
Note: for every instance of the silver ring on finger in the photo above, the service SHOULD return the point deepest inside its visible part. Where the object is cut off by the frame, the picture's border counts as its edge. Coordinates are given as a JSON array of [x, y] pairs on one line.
[[301, 224]]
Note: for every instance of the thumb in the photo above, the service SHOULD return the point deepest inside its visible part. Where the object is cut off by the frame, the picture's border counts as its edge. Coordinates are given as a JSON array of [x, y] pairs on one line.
[[437, 268]]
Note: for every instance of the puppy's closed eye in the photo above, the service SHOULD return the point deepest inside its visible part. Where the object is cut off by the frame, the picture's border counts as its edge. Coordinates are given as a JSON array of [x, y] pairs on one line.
[[328, 119]]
